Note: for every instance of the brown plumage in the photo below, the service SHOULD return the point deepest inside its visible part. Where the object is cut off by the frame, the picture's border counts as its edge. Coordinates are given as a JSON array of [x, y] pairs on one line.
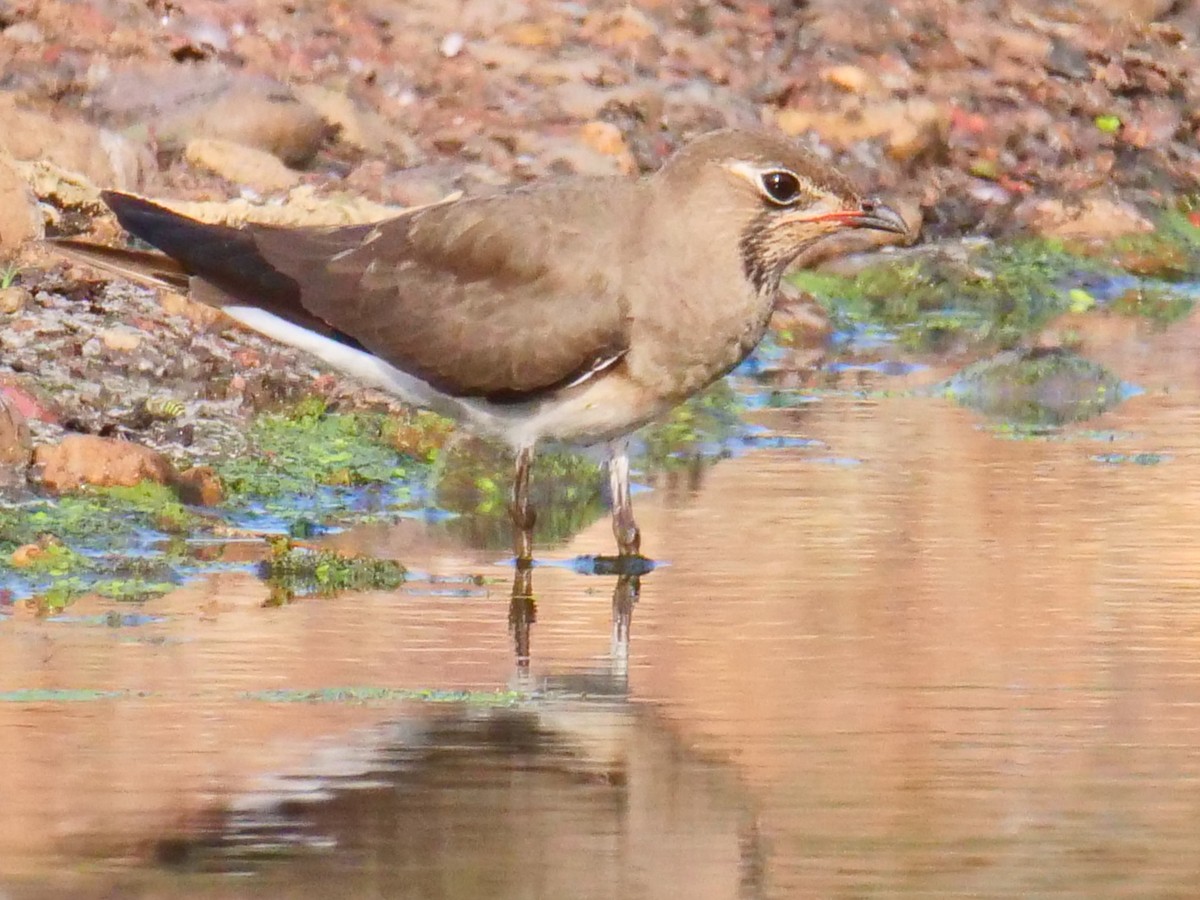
[[576, 310]]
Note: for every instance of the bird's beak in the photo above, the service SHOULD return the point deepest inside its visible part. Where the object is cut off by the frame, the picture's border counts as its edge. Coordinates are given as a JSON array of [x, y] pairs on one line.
[[871, 214]]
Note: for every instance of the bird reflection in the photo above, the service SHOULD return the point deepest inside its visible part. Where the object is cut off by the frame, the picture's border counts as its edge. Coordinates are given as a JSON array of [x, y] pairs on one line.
[[522, 609]]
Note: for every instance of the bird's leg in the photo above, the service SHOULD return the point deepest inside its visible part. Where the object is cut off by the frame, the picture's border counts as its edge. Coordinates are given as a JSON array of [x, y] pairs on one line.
[[523, 516], [629, 539]]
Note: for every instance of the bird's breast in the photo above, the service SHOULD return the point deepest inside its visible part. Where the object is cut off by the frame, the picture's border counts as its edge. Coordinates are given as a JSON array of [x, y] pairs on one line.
[[680, 348]]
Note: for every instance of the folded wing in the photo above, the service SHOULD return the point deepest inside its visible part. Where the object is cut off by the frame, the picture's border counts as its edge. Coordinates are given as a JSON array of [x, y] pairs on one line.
[[503, 298]]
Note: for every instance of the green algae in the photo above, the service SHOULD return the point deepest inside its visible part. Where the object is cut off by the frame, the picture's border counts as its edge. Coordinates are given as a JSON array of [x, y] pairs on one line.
[[83, 540], [292, 452], [1146, 458], [1171, 252], [120, 542], [94, 513], [59, 695], [996, 294], [566, 489], [373, 695], [708, 420], [1155, 305], [59, 575], [297, 571], [474, 486], [1031, 391]]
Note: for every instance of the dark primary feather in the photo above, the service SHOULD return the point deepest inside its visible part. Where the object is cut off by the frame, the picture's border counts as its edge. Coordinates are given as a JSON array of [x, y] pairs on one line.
[[470, 296]]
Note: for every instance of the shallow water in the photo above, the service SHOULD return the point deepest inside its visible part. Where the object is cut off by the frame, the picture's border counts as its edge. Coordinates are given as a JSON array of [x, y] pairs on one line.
[[892, 653]]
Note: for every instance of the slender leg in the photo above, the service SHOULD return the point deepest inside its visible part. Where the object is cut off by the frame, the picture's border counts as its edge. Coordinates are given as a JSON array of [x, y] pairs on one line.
[[523, 515], [629, 539]]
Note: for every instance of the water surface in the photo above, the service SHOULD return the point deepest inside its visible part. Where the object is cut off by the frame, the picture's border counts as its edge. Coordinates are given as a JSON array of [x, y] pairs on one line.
[[901, 655]]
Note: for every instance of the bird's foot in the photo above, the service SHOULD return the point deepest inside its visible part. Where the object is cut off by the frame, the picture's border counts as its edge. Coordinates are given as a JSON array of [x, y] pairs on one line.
[[523, 520]]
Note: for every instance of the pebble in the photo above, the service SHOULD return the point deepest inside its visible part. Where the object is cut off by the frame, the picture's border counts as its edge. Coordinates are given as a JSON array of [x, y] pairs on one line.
[[25, 33], [20, 219], [14, 298], [243, 165], [452, 44], [121, 340], [251, 116], [15, 440]]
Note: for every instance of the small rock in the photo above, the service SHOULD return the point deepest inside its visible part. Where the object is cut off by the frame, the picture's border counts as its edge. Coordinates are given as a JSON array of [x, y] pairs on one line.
[[25, 33], [103, 157], [199, 486], [1140, 10], [571, 158], [20, 218], [102, 462], [1022, 45], [14, 298], [121, 340], [854, 79], [62, 188], [270, 120], [1068, 60], [27, 399], [581, 100], [15, 441], [1154, 124], [618, 28], [908, 128], [343, 114], [604, 137], [495, 55], [24, 556], [199, 314], [452, 44], [533, 35], [241, 164], [199, 35], [1096, 218], [360, 128]]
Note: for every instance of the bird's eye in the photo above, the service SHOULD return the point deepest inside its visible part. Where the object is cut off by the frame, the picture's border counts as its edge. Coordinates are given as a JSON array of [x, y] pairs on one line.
[[781, 187]]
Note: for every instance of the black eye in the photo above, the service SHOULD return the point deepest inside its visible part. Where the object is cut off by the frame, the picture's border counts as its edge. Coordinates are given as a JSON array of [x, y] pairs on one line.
[[782, 187]]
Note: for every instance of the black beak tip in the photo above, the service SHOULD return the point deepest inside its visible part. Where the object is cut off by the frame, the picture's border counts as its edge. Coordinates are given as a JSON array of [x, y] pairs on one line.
[[880, 217]]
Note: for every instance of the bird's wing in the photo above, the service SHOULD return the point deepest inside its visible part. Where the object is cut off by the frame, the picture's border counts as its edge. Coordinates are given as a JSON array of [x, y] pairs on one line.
[[483, 298]]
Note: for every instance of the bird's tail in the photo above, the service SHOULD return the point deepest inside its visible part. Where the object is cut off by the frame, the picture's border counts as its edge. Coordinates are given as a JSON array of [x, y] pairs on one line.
[[220, 265], [144, 266]]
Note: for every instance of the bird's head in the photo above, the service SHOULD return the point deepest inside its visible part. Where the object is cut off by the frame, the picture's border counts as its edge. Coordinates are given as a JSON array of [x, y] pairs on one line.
[[778, 198]]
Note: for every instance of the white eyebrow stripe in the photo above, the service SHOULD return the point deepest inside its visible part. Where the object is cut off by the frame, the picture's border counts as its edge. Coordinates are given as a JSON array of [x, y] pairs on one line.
[[743, 169]]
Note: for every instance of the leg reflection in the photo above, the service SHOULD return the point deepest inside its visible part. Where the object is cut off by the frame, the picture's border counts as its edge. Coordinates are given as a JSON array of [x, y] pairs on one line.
[[522, 613], [625, 595]]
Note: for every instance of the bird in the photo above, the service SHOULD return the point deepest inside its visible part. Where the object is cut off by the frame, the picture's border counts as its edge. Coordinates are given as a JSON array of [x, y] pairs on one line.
[[573, 311]]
